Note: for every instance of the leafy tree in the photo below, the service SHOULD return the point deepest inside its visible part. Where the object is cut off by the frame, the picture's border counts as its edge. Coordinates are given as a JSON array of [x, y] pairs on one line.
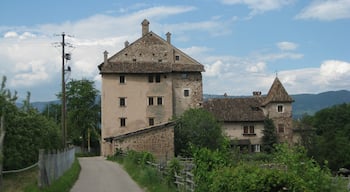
[[26, 131], [199, 128], [332, 139], [83, 112], [53, 111], [270, 137]]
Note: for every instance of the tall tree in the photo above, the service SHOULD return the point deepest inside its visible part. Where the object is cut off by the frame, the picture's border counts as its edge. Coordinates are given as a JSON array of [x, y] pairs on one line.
[[332, 140], [26, 131], [199, 128], [83, 112], [270, 136]]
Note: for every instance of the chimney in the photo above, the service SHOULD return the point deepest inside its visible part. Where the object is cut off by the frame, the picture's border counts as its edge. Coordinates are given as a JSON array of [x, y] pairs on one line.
[[105, 53], [168, 37], [126, 44], [256, 93], [145, 27]]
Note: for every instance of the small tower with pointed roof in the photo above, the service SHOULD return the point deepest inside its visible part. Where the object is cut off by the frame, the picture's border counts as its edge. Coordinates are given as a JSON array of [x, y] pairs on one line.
[[278, 107]]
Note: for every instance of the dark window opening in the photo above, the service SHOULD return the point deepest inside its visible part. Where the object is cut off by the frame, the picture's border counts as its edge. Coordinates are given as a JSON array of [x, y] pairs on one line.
[[122, 79], [280, 108], [177, 57], [122, 102], [186, 92], [158, 78], [150, 78], [122, 122], [159, 100], [150, 100], [151, 121]]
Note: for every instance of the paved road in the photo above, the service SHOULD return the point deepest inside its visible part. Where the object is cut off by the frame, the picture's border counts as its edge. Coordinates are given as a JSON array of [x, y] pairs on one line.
[[100, 175]]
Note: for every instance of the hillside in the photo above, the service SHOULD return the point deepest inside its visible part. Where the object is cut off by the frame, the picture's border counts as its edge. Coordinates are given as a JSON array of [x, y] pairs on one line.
[[311, 103]]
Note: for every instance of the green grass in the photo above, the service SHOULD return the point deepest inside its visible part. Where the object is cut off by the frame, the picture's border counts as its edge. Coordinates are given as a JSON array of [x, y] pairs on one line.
[[147, 177], [63, 184]]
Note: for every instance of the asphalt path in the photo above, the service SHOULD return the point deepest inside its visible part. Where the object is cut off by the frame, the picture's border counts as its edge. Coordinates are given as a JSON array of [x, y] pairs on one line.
[[100, 175]]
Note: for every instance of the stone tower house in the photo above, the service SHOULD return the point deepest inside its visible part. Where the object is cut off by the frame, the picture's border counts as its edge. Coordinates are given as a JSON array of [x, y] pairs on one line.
[[278, 106], [144, 85]]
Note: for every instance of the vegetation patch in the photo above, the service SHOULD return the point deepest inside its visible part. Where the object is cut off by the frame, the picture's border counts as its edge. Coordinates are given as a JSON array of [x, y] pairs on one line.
[[18, 181], [63, 184], [135, 163]]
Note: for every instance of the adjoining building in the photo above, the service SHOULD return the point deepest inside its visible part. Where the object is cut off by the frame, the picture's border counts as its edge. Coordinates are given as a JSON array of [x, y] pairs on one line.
[[243, 118], [144, 86]]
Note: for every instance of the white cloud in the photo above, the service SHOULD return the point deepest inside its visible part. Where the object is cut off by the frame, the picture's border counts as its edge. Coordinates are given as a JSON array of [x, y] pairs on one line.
[[259, 67], [326, 10], [260, 6], [287, 46], [10, 34], [335, 71], [214, 70]]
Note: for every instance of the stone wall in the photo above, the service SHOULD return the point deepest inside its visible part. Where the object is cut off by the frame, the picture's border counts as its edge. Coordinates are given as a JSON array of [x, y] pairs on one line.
[[192, 82], [158, 140]]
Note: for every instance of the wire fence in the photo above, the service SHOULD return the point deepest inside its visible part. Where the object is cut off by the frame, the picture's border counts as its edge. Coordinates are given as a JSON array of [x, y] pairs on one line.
[[53, 164]]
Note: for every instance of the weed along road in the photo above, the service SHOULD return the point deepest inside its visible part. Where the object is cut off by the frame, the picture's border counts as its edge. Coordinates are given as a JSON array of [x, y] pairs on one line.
[[100, 175]]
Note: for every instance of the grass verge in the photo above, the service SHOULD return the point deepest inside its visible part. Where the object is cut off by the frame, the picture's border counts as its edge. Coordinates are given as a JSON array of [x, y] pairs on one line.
[[63, 184], [147, 177]]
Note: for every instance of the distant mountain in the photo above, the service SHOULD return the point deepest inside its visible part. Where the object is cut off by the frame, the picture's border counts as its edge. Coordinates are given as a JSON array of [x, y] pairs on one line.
[[304, 103], [311, 103], [308, 103]]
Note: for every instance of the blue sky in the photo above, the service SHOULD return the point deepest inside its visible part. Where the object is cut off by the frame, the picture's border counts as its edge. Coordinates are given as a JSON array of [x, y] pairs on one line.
[[242, 43]]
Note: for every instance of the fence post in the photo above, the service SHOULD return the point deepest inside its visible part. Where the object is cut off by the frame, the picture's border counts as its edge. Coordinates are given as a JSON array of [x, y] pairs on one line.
[[42, 177], [2, 137]]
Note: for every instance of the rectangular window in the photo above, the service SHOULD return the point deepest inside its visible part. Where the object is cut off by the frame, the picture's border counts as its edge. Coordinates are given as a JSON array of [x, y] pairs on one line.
[[251, 129], [150, 121], [157, 78], [245, 129], [159, 100], [280, 108], [177, 57], [256, 148], [122, 101], [281, 128], [186, 92], [150, 78], [122, 122], [248, 130], [122, 79], [150, 100]]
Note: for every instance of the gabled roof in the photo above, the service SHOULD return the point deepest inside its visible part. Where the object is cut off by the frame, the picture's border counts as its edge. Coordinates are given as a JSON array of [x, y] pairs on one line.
[[245, 109], [150, 54], [277, 93]]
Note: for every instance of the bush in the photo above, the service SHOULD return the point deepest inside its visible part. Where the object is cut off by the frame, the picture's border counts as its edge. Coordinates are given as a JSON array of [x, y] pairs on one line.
[[288, 170]]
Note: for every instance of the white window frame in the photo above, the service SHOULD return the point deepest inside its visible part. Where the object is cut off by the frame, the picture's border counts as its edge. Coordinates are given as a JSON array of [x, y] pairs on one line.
[[277, 108]]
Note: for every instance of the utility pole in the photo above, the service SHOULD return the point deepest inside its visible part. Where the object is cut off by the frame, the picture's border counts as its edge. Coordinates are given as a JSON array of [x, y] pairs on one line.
[[65, 58], [2, 137], [63, 114]]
